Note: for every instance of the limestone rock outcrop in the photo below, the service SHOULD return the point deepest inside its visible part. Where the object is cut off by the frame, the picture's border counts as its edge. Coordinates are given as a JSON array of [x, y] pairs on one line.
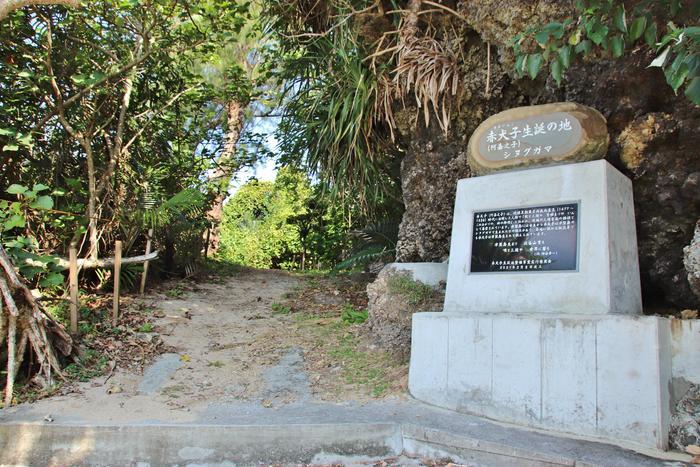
[[654, 140], [393, 298], [691, 260]]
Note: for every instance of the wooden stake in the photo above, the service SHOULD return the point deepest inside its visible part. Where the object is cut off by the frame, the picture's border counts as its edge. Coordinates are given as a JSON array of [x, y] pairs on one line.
[[11, 349], [73, 289], [145, 264], [117, 272]]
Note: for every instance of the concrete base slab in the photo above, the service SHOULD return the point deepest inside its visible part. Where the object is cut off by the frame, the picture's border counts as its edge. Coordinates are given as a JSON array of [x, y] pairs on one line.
[[301, 433], [605, 377]]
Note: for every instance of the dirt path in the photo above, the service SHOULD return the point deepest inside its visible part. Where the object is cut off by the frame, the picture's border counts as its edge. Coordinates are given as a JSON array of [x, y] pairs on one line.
[[257, 337]]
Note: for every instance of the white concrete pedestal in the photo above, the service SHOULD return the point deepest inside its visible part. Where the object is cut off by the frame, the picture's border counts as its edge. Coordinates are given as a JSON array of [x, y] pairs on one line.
[[563, 350], [598, 376]]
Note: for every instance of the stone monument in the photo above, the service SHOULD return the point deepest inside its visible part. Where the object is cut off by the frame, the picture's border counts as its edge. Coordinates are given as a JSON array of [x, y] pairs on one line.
[[542, 321]]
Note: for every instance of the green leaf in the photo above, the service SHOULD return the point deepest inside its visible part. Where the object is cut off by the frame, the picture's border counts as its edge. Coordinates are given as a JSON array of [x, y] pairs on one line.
[[16, 220], [617, 45], [619, 19], [575, 38], [24, 140], [676, 77], [7, 132], [692, 92], [650, 35], [39, 187], [79, 79], [16, 189], [598, 34], [53, 279], [565, 56], [556, 69], [584, 47], [42, 202], [10, 147], [534, 63], [542, 37], [637, 28]]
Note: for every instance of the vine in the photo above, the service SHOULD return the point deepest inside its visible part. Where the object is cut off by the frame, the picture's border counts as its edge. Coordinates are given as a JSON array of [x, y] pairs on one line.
[[605, 29]]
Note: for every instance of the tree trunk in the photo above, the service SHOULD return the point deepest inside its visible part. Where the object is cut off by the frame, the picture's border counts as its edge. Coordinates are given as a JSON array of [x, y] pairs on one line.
[[235, 113]]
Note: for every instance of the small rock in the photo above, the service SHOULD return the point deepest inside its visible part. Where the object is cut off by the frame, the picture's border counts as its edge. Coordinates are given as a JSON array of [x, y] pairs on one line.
[[48, 418], [689, 314], [115, 389]]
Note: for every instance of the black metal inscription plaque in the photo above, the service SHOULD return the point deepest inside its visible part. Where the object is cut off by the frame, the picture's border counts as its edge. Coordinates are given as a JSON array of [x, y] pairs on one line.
[[531, 239]]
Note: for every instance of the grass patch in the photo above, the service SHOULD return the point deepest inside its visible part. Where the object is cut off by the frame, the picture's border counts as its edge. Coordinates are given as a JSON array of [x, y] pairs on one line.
[[360, 368], [88, 365], [175, 292], [222, 267], [145, 327], [413, 291], [216, 364], [280, 309], [350, 315]]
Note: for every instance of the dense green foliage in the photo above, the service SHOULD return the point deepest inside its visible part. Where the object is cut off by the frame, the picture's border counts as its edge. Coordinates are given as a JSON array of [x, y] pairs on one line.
[[606, 28], [112, 107], [283, 224]]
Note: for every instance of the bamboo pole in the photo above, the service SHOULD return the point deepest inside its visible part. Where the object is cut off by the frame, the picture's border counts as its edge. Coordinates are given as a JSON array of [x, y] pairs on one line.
[[73, 289], [117, 273], [145, 263]]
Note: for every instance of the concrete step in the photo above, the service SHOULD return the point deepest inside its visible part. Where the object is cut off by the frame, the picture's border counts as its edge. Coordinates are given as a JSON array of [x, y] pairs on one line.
[[320, 433]]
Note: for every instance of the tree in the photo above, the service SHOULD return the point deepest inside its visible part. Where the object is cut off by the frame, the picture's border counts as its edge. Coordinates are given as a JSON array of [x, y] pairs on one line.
[[100, 96], [106, 105]]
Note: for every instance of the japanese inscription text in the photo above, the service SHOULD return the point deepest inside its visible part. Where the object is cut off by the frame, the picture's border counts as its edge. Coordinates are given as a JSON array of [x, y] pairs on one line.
[[530, 239], [548, 135]]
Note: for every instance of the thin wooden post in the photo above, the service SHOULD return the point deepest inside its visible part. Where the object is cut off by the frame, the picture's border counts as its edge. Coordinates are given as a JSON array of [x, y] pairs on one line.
[[206, 243], [73, 288], [117, 273], [145, 264]]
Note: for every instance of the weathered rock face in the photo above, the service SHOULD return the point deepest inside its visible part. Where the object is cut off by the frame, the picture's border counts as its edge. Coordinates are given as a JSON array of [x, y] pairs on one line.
[[660, 151], [538, 135], [691, 260], [434, 162], [429, 174], [393, 298], [685, 422], [654, 140]]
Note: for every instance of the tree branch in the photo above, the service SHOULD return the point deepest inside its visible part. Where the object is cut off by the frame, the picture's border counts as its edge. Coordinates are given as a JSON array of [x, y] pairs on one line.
[[8, 6]]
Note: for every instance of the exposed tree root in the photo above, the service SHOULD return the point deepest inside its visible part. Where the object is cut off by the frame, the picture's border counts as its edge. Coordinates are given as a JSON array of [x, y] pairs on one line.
[[28, 328]]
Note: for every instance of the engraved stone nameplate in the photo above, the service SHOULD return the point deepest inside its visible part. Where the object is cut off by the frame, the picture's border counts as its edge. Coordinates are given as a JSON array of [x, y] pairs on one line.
[[538, 135], [527, 239]]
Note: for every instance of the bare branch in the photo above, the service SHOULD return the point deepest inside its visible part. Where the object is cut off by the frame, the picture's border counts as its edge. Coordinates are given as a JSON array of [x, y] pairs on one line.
[[63, 263]]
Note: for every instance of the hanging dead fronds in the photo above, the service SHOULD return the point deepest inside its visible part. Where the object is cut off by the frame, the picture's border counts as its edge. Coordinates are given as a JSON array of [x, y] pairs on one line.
[[425, 67]]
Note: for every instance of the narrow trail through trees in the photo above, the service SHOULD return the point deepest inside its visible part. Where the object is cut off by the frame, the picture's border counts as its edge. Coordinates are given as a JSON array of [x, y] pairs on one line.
[[230, 341]]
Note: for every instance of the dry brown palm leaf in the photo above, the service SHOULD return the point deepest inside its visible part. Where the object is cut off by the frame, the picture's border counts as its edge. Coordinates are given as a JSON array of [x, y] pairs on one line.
[[425, 67], [432, 73]]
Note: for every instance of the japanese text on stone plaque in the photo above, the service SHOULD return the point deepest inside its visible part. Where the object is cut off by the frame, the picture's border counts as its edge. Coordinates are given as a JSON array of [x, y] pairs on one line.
[[542, 238], [549, 135]]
